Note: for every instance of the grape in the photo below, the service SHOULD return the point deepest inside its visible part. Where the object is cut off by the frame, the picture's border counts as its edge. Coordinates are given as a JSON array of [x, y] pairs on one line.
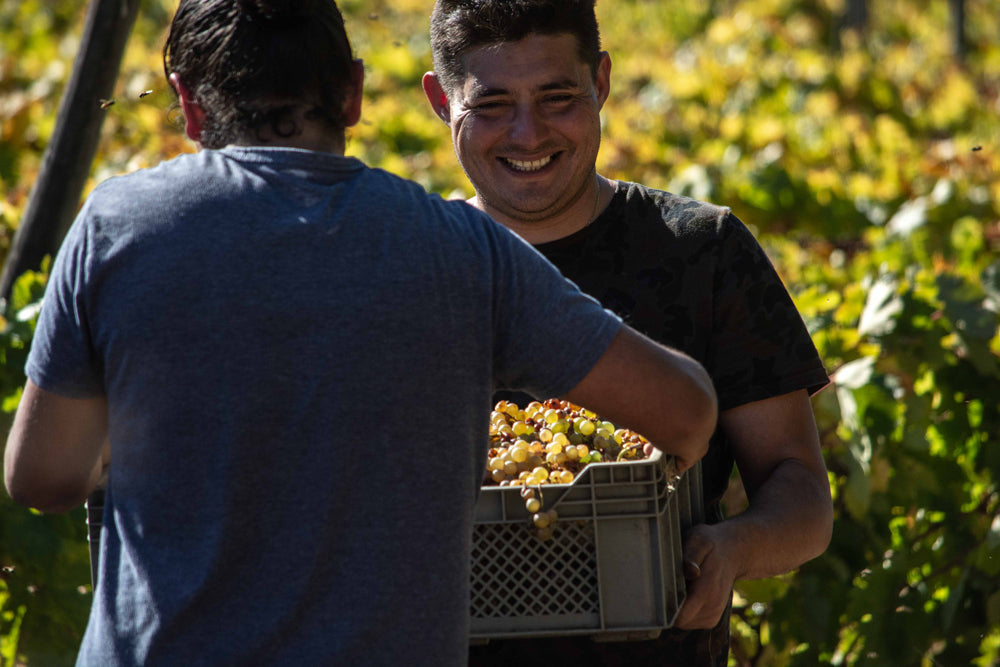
[[583, 426], [521, 428], [551, 442], [544, 534]]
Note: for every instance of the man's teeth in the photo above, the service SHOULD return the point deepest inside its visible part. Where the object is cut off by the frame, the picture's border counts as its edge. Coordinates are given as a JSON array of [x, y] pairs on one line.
[[532, 165]]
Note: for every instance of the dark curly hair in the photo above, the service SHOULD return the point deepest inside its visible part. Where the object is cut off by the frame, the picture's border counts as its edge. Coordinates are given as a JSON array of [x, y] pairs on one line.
[[255, 64], [460, 25]]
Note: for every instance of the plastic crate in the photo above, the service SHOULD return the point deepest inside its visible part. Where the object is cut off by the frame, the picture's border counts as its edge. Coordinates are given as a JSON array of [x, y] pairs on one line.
[[612, 569]]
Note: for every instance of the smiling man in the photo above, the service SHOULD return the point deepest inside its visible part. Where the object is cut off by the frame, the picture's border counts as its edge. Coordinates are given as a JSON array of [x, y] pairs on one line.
[[521, 84], [526, 126]]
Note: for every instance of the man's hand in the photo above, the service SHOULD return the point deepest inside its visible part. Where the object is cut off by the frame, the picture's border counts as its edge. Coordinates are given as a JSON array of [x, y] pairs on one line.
[[710, 569], [790, 516]]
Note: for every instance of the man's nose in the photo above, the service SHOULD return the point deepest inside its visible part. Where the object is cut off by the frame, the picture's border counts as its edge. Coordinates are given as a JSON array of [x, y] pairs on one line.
[[528, 126]]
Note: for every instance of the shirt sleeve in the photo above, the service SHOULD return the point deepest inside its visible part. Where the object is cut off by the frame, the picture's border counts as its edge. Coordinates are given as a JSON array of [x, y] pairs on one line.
[[549, 334], [62, 359], [761, 346]]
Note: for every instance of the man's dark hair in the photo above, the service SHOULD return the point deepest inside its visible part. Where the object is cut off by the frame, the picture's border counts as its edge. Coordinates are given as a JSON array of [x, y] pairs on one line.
[[460, 25], [255, 64]]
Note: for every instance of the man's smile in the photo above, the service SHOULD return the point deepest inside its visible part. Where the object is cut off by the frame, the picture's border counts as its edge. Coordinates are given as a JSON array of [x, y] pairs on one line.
[[528, 165]]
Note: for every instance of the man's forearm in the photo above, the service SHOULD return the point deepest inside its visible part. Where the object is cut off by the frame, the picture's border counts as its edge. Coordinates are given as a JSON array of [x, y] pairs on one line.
[[789, 521], [56, 449]]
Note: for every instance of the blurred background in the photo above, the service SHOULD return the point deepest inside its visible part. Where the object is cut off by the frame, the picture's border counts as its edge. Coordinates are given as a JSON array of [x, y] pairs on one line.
[[859, 140]]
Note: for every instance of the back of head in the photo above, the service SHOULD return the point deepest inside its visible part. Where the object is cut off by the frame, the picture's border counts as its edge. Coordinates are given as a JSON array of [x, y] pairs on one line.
[[258, 64], [460, 25]]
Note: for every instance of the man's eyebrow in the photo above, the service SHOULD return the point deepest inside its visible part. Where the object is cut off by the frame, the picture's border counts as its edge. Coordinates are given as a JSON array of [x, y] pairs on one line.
[[561, 84], [479, 91]]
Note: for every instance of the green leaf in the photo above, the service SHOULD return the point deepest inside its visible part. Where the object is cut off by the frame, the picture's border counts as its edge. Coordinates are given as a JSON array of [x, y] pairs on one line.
[[990, 280], [855, 374], [857, 492], [987, 555], [911, 216], [954, 599], [882, 308]]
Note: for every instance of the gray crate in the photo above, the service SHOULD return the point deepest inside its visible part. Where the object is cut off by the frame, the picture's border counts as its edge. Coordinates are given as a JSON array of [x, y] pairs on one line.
[[612, 569]]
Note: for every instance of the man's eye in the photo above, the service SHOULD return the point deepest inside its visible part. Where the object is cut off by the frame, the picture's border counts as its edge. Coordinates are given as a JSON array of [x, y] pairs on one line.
[[489, 106]]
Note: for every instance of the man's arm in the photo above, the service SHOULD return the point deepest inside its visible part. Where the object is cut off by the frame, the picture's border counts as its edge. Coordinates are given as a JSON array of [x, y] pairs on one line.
[[57, 449], [790, 516], [654, 390]]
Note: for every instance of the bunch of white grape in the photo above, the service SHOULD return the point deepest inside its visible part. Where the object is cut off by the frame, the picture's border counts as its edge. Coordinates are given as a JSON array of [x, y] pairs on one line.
[[550, 442]]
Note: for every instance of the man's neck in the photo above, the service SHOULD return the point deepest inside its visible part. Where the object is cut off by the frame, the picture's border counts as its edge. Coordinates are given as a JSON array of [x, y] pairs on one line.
[[588, 207], [314, 136]]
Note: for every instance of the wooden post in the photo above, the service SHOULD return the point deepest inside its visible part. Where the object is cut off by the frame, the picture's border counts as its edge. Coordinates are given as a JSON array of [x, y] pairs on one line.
[[856, 15], [66, 162], [958, 29]]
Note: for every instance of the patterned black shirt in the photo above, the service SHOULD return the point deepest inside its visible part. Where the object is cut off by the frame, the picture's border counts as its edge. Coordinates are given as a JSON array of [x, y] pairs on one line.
[[692, 276]]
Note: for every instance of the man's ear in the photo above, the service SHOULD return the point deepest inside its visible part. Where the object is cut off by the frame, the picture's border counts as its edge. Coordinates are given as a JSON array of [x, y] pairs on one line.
[[603, 80], [355, 95], [436, 96], [194, 115]]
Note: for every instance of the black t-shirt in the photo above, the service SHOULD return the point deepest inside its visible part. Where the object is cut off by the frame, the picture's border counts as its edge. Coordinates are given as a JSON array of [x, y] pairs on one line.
[[692, 276]]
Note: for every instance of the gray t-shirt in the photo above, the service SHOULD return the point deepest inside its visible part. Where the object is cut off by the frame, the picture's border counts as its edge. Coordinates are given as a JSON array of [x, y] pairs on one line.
[[299, 354]]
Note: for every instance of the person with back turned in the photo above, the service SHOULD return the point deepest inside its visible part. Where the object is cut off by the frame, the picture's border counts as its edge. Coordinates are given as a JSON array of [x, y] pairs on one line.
[[247, 340]]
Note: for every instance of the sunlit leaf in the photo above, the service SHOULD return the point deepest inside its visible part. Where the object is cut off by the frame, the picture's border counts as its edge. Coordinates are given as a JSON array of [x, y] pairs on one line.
[[883, 306]]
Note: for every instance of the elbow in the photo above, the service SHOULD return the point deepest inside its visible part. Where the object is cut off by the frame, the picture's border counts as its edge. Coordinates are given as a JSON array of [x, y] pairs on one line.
[[708, 409], [44, 496], [702, 410], [825, 520]]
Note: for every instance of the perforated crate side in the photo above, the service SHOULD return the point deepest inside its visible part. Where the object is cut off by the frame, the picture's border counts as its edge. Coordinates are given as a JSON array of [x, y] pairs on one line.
[[612, 568]]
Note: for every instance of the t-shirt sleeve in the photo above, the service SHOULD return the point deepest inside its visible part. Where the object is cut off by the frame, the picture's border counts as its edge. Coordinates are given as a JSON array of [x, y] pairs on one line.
[[761, 346], [62, 359], [548, 334]]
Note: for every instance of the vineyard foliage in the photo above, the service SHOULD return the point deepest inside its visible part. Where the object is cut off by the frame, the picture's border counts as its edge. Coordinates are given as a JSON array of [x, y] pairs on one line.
[[866, 162]]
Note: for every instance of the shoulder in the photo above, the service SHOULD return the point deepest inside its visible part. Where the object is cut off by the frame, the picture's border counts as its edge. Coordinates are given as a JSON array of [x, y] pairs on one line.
[[397, 188], [186, 173], [682, 216]]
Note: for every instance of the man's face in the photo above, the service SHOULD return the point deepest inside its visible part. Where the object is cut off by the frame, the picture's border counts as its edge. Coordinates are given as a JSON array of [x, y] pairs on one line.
[[526, 128]]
